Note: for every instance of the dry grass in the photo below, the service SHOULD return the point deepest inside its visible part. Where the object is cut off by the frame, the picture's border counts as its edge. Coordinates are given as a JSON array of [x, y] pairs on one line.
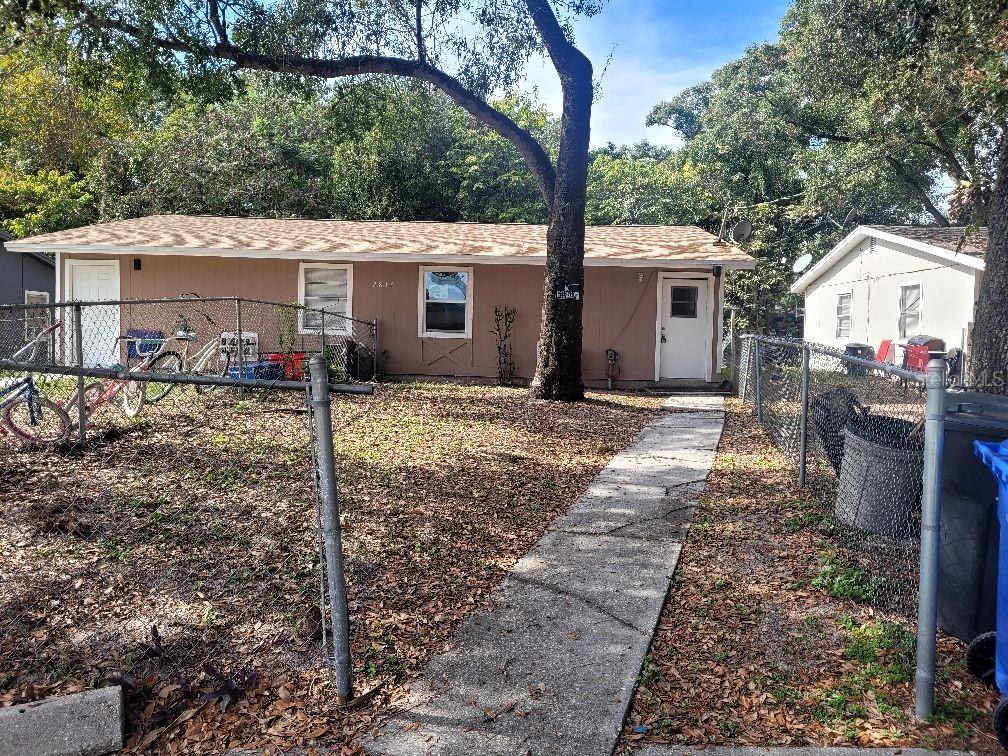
[[199, 520], [751, 649]]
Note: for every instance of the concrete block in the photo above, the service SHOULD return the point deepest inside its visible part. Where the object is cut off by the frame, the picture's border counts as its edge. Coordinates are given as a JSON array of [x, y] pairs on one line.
[[82, 724]]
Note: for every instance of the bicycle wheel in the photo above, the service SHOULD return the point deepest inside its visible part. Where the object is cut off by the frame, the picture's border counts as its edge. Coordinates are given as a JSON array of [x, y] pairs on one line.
[[37, 420], [168, 363], [134, 395], [208, 369]]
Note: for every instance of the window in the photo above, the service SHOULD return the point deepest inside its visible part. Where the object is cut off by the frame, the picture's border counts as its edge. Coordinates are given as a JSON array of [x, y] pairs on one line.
[[446, 302], [684, 302], [843, 315], [329, 288], [910, 301], [36, 320]]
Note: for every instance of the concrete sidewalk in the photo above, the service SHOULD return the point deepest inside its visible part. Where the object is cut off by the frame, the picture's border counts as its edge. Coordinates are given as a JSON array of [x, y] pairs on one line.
[[551, 666], [799, 751]]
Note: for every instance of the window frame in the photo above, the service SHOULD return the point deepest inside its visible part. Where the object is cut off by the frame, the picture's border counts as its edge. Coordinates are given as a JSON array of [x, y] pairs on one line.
[[304, 266], [849, 315], [422, 331], [900, 325], [28, 293]]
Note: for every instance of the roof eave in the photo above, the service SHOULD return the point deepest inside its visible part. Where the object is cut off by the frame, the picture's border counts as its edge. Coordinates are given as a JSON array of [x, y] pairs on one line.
[[639, 262], [861, 233]]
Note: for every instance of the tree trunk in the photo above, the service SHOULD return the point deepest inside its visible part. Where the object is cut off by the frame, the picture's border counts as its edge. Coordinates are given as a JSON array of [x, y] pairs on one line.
[[558, 362], [989, 353]]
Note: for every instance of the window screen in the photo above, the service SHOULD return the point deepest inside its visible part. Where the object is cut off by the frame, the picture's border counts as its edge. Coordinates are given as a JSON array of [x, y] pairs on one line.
[[910, 300], [326, 289], [684, 302], [446, 297], [843, 311]]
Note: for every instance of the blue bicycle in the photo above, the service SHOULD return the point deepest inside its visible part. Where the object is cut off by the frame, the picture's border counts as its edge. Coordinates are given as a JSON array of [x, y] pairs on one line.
[[33, 418], [24, 412]]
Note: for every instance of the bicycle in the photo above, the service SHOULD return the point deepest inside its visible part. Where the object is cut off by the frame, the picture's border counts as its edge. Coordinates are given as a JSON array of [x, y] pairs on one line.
[[199, 363], [24, 412]]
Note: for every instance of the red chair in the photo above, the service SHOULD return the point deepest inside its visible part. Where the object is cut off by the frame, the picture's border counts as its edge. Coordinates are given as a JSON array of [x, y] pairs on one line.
[[885, 352], [917, 358]]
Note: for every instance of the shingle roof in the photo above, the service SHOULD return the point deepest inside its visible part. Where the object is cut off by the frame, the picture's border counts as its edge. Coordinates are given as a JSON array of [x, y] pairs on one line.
[[389, 238], [953, 238]]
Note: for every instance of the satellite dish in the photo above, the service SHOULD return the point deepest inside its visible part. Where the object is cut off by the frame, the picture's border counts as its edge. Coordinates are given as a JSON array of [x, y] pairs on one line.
[[801, 263], [741, 232]]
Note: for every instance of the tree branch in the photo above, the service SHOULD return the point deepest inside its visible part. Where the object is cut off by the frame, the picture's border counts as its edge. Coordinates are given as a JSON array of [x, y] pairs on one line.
[[531, 151], [420, 46], [570, 63], [917, 189]]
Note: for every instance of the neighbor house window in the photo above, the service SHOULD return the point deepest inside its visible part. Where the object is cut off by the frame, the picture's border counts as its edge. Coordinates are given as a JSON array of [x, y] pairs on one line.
[[910, 302], [843, 315], [328, 288], [446, 302], [36, 320]]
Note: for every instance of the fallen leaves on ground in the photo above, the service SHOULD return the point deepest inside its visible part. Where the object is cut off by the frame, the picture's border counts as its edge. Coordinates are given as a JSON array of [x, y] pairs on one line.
[[749, 651], [198, 519]]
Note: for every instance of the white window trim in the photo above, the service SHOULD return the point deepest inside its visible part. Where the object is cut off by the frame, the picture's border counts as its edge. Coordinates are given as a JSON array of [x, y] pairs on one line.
[[422, 331], [920, 307], [302, 331], [850, 315], [28, 293]]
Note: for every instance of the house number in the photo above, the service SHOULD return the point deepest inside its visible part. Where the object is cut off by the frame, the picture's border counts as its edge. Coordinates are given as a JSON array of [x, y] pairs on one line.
[[383, 284]]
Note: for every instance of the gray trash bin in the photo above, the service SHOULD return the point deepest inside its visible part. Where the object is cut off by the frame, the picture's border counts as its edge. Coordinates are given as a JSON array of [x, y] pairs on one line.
[[857, 349], [967, 573], [881, 477]]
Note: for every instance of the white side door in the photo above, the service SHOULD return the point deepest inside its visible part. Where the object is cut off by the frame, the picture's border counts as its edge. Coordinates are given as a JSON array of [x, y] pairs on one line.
[[94, 281], [685, 328]]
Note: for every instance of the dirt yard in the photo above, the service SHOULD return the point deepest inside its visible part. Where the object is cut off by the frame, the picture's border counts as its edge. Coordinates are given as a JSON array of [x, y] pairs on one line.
[[767, 639], [177, 556]]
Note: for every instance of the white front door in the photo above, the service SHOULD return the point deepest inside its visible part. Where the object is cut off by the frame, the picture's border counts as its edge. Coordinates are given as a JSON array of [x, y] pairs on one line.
[[684, 328], [95, 281]]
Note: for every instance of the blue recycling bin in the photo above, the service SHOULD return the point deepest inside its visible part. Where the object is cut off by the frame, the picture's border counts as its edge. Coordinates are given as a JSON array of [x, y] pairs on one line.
[[978, 656]]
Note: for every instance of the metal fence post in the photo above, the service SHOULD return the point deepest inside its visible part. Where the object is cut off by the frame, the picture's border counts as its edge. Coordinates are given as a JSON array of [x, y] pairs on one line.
[[78, 336], [758, 398], [927, 613], [241, 339], [803, 427], [335, 578]]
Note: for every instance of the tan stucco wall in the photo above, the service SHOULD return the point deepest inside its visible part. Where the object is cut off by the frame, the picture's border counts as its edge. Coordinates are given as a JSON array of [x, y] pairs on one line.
[[619, 309]]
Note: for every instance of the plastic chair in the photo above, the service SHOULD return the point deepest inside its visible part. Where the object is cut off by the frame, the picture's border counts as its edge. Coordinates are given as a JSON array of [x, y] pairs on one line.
[[885, 352]]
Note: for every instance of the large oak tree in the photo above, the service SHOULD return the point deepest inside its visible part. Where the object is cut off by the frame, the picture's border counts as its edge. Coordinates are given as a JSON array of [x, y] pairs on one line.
[[469, 49]]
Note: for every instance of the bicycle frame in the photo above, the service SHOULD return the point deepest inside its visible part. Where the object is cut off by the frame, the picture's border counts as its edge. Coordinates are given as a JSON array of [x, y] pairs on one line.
[[27, 352], [14, 391]]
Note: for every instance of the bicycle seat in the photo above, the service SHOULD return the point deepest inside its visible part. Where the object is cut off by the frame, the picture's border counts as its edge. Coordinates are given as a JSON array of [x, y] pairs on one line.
[[185, 335]]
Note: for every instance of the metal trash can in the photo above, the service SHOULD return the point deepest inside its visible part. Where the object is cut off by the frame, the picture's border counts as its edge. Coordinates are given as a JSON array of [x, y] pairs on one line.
[[967, 570], [857, 349], [881, 477]]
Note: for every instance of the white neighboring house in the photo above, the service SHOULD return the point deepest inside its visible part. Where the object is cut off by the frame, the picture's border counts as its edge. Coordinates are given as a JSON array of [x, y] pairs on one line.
[[894, 282]]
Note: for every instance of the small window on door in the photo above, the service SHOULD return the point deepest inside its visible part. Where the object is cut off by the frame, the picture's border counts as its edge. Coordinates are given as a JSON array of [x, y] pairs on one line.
[[684, 302]]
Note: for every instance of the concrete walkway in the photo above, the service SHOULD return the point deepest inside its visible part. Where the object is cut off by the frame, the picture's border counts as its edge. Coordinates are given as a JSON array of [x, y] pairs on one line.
[[800, 751], [551, 666]]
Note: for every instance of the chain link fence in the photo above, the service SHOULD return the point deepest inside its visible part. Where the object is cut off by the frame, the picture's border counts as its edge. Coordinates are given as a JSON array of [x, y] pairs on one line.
[[855, 431], [170, 520]]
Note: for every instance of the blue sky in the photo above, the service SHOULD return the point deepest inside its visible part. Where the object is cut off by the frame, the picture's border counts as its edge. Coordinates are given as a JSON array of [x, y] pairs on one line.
[[658, 48]]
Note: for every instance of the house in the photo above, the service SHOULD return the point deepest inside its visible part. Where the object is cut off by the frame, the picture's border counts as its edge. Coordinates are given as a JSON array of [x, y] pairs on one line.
[[895, 282], [24, 279], [654, 294]]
